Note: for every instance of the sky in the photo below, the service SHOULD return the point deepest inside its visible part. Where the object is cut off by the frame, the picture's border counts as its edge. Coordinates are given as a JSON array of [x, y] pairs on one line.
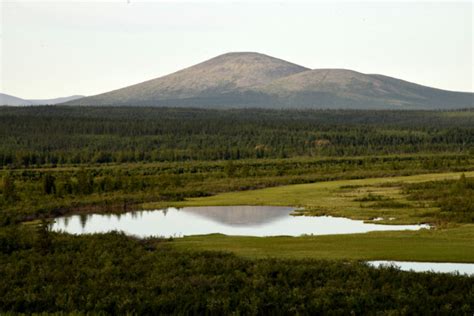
[[58, 48]]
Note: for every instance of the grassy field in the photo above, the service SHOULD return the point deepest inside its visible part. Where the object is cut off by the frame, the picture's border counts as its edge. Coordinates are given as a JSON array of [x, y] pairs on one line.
[[336, 198], [447, 245], [446, 242]]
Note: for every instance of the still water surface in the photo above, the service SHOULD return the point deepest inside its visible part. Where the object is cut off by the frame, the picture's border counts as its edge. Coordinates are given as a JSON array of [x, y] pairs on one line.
[[228, 220], [441, 267]]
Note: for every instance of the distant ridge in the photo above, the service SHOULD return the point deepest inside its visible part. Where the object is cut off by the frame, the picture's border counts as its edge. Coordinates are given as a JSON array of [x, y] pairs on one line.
[[247, 79], [6, 99], [56, 100]]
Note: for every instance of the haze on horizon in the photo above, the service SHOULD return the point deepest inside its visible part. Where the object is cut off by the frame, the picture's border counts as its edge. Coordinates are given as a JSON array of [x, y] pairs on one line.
[[60, 48]]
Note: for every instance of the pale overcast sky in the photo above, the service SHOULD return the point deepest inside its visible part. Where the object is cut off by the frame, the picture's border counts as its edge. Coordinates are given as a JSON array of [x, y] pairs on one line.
[[59, 48]]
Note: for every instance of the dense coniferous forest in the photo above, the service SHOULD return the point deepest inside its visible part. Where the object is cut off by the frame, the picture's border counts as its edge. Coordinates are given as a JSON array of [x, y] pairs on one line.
[[73, 135]]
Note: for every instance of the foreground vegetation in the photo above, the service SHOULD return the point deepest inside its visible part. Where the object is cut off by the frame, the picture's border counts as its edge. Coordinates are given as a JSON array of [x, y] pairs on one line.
[[115, 274]]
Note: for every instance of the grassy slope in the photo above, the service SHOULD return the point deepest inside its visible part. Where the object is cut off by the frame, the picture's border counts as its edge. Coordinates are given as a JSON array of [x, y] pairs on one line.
[[452, 244]]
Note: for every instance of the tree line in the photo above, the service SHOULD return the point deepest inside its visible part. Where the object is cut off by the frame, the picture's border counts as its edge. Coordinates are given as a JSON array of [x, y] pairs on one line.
[[82, 135]]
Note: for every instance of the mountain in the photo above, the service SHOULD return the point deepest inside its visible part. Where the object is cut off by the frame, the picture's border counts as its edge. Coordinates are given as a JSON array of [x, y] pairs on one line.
[[256, 80], [56, 100], [6, 99], [226, 74], [342, 88]]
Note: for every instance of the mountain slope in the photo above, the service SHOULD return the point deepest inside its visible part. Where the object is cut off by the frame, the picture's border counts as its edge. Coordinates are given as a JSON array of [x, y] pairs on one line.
[[342, 88], [6, 99], [218, 76], [56, 100], [256, 80]]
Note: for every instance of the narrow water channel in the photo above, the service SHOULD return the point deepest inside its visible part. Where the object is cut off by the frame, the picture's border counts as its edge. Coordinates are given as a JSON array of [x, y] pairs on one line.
[[440, 267]]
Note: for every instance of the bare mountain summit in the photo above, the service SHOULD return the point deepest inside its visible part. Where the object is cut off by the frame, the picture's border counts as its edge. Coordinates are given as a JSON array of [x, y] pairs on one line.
[[256, 80], [228, 73]]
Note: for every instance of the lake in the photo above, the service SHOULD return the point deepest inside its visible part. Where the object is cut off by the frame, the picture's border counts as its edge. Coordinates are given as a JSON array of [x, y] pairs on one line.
[[228, 220]]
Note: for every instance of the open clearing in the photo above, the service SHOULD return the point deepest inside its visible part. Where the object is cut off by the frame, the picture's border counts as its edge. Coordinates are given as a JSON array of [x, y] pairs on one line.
[[335, 198], [449, 243]]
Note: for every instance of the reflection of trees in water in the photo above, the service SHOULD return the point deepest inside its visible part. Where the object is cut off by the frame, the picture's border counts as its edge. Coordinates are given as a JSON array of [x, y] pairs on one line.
[[83, 219], [66, 221], [240, 215]]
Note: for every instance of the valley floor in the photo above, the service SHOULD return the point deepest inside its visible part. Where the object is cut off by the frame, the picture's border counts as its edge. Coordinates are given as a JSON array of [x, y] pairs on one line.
[[336, 198], [384, 167], [445, 241]]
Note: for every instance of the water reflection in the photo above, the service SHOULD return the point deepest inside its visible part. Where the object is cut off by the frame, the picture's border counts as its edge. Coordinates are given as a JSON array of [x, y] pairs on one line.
[[83, 219], [229, 220], [240, 215]]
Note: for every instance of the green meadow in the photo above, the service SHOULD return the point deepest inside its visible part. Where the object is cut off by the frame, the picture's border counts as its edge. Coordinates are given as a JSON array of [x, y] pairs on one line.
[[336, 198], [447, 245], [445, 241]]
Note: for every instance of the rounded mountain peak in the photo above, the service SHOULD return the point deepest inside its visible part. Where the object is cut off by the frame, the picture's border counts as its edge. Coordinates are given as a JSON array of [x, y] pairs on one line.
[[239, 70], [227, 73]]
